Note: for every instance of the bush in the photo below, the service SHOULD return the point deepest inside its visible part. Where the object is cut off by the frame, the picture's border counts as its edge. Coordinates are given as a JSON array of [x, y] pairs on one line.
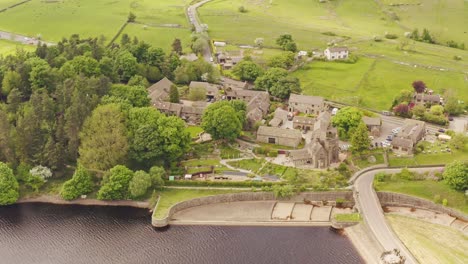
[[381, 176], [81, 183], [115, 184], [139, 184], [283, 191], [445, 202], [391, 36], [223, 183], [41, 171], [437, 198], [242, 9], [340, 202], [273, 153], [34, 182]]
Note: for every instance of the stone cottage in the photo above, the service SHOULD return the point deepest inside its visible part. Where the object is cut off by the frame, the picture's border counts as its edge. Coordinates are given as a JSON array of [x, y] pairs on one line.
[[374, 125], [279, 136], [411, 133], [336, 53], [160, 90], [306, 104]]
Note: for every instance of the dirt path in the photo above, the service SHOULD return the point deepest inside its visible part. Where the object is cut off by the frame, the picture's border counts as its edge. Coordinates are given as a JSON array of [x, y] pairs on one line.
[[22, 39]]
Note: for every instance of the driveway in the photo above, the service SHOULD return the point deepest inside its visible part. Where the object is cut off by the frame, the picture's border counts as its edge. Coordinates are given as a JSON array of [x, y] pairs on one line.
[[195, 21], [373, 214]]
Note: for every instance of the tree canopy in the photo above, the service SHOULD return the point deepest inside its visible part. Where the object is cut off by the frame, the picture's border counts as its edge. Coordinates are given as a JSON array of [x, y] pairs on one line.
[[81, 183], [139, 184], [456, 175], [360, 140], [247, 70], [9, 188], [221, 120], [346, 120], [115, 184]]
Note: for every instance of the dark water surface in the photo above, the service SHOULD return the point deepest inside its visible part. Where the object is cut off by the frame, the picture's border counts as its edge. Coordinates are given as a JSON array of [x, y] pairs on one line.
[[42, 233]]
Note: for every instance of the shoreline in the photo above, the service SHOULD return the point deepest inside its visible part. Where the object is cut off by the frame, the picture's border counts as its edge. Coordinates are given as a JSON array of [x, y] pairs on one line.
[[91, 202]]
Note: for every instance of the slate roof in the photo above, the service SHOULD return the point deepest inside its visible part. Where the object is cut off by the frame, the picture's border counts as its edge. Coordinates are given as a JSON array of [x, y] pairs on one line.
[[337, 49], [434, 98], [304, 120], [211, 89], [402, 142], [371, 121], [279, 132], [160, 90], [306, 99]]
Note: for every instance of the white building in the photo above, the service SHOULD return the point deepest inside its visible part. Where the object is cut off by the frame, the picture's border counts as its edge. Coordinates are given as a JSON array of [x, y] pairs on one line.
[[336, 53]]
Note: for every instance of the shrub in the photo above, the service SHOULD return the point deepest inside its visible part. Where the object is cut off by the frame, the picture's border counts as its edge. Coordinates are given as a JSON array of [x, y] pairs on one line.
[[242, 9], [445, 202], [283, 191], [457, 58], [41, 171], [273, 153], [34, 182], [437, 198], [377, 39], [381, 176], [139, 184], [391, 36], [340, 202], [223, 183], [115, 184], [9, 188], [81, 183]]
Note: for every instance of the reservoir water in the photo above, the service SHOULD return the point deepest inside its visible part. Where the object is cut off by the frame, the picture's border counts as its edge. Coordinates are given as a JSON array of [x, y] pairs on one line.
[[44, 233]]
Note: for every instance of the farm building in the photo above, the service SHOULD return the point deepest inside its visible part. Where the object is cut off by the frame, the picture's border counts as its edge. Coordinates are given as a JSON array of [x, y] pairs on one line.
[[336, 53]]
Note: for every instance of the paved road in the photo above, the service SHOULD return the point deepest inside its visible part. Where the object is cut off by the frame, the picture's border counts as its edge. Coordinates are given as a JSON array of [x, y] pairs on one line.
[[195, 21], [21, 38], [373, 214]]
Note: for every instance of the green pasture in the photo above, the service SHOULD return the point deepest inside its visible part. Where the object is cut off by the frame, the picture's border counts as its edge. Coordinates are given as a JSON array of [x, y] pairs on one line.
[[56, 19], [8, 3], [9, 47], [159, 36]]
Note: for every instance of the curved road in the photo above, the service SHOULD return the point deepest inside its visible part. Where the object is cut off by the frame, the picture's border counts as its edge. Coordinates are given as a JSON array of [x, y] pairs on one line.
[[373, 214], [195, 21]]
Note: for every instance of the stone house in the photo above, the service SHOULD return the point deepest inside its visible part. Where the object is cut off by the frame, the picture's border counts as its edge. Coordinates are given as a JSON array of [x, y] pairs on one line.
[[258, 103], [168, 108], [374, 125], [427, 99], [192, 114], [279, 118], [336, 53], [160, 90], [212, 90], [323, 148], [227, 60], [411, 133], [303, 122], [230, 84], [306, 104], [279, 136]]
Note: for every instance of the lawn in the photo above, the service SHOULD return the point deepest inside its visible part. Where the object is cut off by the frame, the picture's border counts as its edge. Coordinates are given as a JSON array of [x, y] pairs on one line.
[[198, 165], [430, 243], [169, 197], [160, 36], [347, 217], [57, 19], [9, 47], [194, 131], [248, 164], [426, 189], [364, 163]]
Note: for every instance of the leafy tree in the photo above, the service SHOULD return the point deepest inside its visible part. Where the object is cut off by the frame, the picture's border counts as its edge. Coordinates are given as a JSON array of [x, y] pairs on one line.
[[283, 191], [452, 105], [131, 17], [270, 78], [199, 45], [103, 138], [284, 60], [402, 110], [125, 40], [80, 184], [41, 74], [139, 184], [414, 34], [456, 175], [196, 71], [437, 110], [241, 109], [405, 96], [115, 184], [221, 121], [9, 188], [458, 141], [285, 87], [138, 80], [177, 46], [41, 171], [11, 80], [137, 96], [419, 110], [6, 141], [125, 66], [247, 70], [174, 94], [290, 46], [34, 182], [426, 36], [360, 141], [286, 42], [419, 86], [157, 175], [259, 42], [346, 120], [84, 65]]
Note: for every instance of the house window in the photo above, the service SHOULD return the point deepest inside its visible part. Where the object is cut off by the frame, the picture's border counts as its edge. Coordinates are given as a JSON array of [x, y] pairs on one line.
[[272, 140]]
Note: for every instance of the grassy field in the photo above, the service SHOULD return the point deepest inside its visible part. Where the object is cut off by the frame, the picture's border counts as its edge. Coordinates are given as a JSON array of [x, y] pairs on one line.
[[426, 189], [169, 197], [347, 217], [430, 243], [57, 19], [9, 47], [431, 158]]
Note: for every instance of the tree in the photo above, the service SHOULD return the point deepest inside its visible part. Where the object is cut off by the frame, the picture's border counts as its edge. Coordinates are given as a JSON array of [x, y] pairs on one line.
[[360, 141], [247, 70], [270, 78], [139, 184], [285, 86], [115, 184], [402, 110], [125, 40], [259, 42], [157, 175], [405, 96], [41, 171], [284, 60], [426, 36], [174, 94], [11, 80], [34, 182], [131, 17], [103, 138], [452, 105], [177, 46], [456, 175], [286, 42], [9, 188], [125, 65], [346, 120], [458, 141], [419, 86], [199, 45], [437, 110], [80, 184], [138, 80], [221, 121], [136, 96], [419, 110]]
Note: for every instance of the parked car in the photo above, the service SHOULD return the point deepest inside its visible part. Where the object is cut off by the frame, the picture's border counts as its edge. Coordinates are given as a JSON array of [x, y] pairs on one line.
[[396, 130], [389, 138], [441, 130], [450, 118]]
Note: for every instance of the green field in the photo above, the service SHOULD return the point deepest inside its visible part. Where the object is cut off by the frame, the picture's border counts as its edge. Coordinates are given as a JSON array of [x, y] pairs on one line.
[[430, 243], [57, 19], [9, 47], [169, 197], [426, 189]]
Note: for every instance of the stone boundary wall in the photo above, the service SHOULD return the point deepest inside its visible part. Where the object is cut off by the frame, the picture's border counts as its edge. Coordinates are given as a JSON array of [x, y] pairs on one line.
[[248, 196], [398, 199]]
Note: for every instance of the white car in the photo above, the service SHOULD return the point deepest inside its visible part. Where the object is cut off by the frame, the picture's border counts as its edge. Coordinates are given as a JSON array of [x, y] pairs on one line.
[[396, 130]]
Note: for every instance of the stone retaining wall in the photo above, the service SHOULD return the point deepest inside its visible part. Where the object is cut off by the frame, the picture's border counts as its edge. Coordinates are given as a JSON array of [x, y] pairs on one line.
[[398, 199], [249, 196]]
